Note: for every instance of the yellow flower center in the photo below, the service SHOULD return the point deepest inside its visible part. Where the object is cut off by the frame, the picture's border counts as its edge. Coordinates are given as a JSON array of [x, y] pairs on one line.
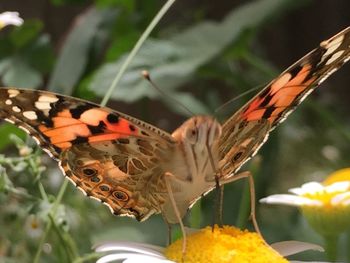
[[338, 176], [324, 197], [226, 244], [330, 218]]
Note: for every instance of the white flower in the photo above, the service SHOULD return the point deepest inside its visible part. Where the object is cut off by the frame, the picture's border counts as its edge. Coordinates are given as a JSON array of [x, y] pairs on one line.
[[314, 194], [10, 18], [326, 206], [130, 252]]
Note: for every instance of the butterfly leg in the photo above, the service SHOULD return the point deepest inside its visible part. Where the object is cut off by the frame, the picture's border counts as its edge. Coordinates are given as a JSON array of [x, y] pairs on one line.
[[219, 190], [176, 211], [250, 178]]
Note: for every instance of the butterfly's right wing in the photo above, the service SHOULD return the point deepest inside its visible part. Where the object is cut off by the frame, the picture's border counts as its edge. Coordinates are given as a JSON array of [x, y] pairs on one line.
[[245, 132]]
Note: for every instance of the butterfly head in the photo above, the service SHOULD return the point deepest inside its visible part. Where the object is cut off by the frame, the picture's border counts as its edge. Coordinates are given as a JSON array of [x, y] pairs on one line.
[[199, 130]]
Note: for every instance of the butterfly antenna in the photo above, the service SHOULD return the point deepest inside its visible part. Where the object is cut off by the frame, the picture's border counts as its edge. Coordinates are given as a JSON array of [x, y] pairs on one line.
[[220, 108], [146, 75]]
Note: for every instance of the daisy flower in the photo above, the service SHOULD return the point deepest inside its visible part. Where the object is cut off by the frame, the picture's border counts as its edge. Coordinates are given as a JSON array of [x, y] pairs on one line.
[[326, 206], [10, 18], [226, 244]]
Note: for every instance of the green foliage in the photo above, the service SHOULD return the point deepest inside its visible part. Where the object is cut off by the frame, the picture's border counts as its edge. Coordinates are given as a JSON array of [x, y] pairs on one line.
[[189, 63], [25, 56], [174, 61]]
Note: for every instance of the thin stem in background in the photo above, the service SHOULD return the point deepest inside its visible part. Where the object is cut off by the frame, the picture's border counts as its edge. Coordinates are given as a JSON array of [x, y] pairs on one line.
[[331, 247], [49, 224], [123, 68], [136, 48]]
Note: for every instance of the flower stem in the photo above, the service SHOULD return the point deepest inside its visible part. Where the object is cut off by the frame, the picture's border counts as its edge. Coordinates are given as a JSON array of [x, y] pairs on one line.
[[348, 245], [136, 48], [49, 224], [331, 247]]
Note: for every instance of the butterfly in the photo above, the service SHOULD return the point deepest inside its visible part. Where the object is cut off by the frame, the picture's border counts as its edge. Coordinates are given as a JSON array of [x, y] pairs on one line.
[[125, 163]]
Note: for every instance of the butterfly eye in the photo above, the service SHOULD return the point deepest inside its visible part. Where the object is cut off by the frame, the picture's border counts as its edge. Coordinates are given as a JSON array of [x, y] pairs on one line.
[[89, 171], [121, 196], [192, 135]]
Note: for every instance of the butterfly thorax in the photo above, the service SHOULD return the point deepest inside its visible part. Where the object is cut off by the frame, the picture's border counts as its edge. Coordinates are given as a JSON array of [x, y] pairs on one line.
[[194, 163]]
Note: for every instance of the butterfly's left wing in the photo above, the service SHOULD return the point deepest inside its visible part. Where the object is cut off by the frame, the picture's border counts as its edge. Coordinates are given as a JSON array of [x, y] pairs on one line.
[[108, 155], [245, 132]]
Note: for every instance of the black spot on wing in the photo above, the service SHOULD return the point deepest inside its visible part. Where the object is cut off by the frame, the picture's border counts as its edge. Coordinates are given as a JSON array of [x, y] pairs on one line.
[[295, 70], [100, 128], [112, 118], [79, 140], [43, 119], [268, 112], [79, 110], [266, 100]]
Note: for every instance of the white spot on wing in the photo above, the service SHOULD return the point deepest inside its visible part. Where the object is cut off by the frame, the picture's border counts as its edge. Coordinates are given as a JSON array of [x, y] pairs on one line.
[[16, 109], [42, 105], [331, 46], [8, 102], [9, 120], [335, 56], [48, 98], [13, 93], [31, 115]]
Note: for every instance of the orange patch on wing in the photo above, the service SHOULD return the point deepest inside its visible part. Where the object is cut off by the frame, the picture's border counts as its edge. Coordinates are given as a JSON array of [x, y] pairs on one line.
[[122, 126], [64, 121], [105, 137], [63, 145], [94, 116], [300, 77], [280, 83], [65, 113], [255, 115], [252, 106], [68, 133]]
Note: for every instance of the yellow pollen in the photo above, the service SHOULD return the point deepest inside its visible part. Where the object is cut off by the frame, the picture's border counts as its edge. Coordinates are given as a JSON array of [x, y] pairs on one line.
[[338, 176], [323, 197], [226, 244]]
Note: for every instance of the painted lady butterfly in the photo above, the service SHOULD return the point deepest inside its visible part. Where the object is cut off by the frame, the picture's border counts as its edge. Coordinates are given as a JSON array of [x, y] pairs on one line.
[[125, 162]]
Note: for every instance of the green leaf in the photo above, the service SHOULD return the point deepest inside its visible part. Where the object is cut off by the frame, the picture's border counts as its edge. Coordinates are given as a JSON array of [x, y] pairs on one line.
[[40, 54], [74, 55], [19, 74], [173, 62], [6, 129], [5, 182], [24, 35], [129, 5]]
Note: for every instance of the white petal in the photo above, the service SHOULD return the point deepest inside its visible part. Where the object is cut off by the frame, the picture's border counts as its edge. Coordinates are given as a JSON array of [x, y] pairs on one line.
[[292, 200], [308, 188], [287, 248], [338, 187], [148, 259], [130, 247], [343, 198], [131, 258], [10, 18]]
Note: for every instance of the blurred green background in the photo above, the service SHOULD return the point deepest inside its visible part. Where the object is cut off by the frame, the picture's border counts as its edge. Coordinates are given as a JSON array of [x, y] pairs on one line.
[[202, 53]]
